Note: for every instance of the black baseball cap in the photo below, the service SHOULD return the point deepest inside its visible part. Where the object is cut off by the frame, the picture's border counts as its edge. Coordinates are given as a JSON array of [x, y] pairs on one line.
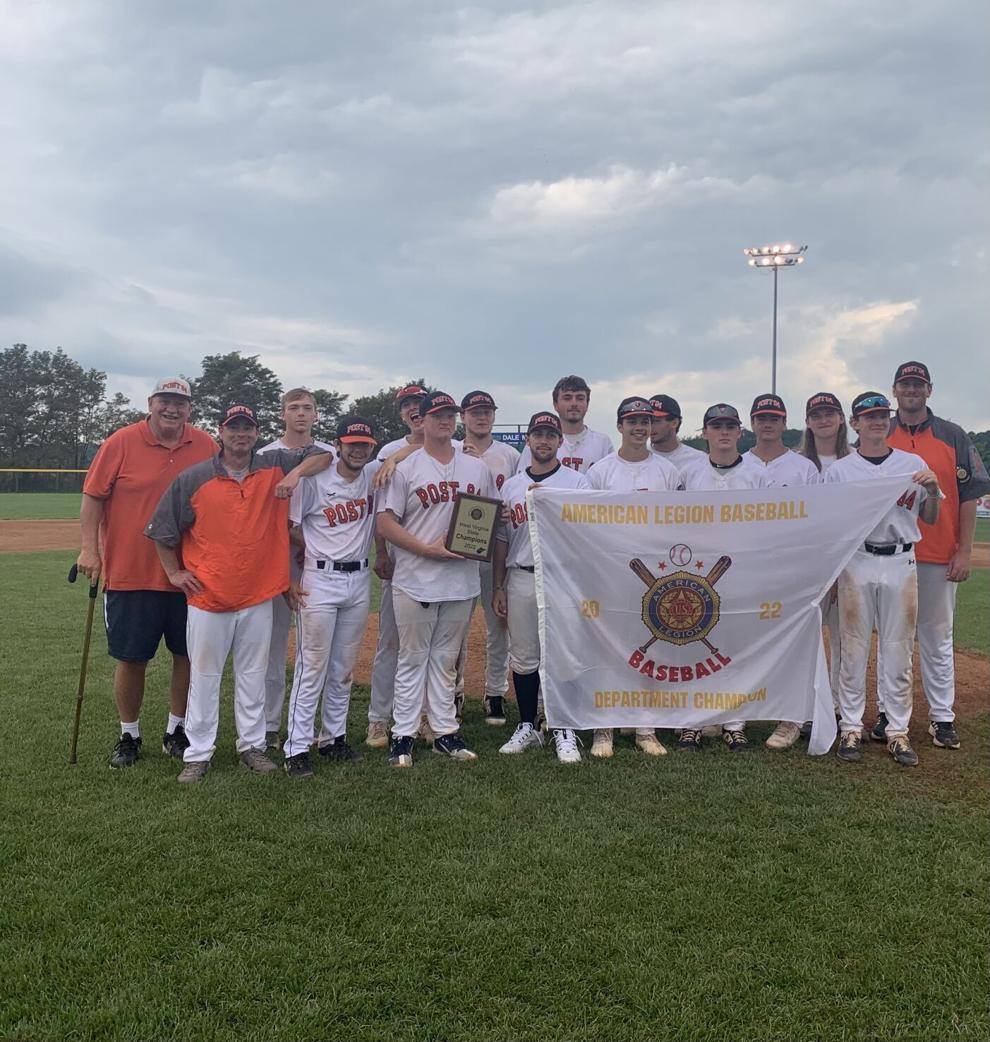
[[823, 400], [768, 405], [913, 371], [235, 412], [871, 401], [545, 420], [355, 428], [665, 406], [436, 401], [635, 406], [721, 411], [477, 399], [411, 391]]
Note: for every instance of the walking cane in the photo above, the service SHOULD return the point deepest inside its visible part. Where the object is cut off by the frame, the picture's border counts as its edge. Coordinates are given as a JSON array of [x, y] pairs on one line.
[[93, 587]]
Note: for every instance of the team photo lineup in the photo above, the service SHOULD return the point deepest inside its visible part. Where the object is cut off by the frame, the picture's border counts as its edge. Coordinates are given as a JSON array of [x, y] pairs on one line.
[[222, 552]]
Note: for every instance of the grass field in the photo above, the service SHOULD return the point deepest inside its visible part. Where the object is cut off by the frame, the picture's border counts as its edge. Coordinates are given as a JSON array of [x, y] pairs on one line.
[[38, 506], [713, 897], [970, 630]]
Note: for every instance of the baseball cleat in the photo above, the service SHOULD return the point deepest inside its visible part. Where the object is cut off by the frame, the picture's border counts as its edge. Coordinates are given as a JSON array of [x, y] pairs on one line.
[[900, 748], [879, 731], [176, 743], [850, 746], [689, 740], [125, 752], [400, 752], [494, 710], [452, 745], [377, 735], [193, 772], [524, 737], [943, 734], [298, 767], [650, 744], [736, 741], [601, 746], [785, 734], [566, 743], [256, 762], [339, 750]]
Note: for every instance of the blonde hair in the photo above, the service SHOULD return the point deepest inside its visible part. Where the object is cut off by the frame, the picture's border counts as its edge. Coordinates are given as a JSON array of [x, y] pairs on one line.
[[809, 450], [296, 394]]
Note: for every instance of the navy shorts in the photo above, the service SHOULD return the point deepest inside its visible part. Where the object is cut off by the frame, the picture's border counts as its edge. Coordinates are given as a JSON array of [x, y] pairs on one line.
[[138, 619]]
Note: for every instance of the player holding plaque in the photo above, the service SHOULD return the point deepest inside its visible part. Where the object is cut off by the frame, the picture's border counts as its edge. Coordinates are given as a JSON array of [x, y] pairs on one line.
[[472, 526], [433, 588]]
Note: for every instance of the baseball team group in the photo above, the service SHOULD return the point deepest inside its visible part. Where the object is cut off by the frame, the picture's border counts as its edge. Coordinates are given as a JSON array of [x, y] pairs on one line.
[[215, 544]]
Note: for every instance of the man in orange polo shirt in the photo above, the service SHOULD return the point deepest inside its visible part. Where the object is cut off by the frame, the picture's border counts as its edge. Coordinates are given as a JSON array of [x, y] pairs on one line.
[[943, 555], [127, 478], [222, 535]]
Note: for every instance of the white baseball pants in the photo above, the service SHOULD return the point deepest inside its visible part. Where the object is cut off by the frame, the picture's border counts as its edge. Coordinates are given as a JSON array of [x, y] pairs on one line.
[[429, 639], [830, 614], [523, 621], [210, 636], [881, 592], [275, 675], [386, 659], [329, 628], [496, 643]]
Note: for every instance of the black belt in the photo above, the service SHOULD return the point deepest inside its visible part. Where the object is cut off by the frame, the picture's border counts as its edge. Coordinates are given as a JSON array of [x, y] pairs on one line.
[[527, 567], [342, 566], [887, 549]]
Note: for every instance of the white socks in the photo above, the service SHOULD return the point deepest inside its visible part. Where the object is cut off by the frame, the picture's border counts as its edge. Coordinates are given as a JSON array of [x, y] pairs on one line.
[[134, 729], [174, 722]]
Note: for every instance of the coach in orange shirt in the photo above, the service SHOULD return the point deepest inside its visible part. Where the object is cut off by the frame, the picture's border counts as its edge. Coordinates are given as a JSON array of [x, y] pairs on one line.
[[127, 478], [222, 535]]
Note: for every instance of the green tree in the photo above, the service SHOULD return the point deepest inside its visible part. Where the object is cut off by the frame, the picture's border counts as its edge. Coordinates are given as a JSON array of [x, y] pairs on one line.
[[237, 379], [381, 410], [981, 441], [331, 405], [17, 402]]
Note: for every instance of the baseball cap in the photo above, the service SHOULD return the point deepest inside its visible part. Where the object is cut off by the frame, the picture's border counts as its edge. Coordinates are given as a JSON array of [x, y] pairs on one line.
[[435, 402], [172, 385], [411, 391], [546, 420], [768, 405], [823, 400], [665, 406], [475, 399], [721, 411], [355, 428], [636, 406], [913, 370], [870, 401], [234, 412]]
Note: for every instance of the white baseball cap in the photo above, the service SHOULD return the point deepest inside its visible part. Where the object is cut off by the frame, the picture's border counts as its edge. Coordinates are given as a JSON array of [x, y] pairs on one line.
[[172, 385]]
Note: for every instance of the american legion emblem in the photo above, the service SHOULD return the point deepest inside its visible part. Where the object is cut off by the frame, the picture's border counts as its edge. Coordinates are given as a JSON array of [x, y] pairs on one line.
[[680, 609]]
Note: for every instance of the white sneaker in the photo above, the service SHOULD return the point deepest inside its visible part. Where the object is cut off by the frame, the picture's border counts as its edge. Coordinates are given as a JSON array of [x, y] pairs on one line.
[[601, 747], [524, 737], [377, 734], [566, 742], [650, 744], [785, 734]]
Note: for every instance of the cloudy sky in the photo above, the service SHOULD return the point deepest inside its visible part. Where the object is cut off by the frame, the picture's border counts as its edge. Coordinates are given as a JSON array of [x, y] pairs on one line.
[[496, 195]]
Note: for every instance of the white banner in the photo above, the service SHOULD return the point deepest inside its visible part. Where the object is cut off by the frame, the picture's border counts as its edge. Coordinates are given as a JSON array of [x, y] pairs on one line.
[[677, 609]]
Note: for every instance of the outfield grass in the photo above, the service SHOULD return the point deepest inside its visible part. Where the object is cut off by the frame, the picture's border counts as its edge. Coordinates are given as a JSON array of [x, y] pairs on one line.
[[38, 506], [982, 530], [722, 897], [972, 612]]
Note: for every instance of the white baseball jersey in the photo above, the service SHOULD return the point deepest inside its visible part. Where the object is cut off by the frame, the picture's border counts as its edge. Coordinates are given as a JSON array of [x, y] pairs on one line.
[[501, 460], [790, 468], [652, 474], [337, 516], [704, 477], [826, 462], [682, 456], [516, 532], [392, 447], [280, 444], [421, 495], [900, 523], [577, 451]]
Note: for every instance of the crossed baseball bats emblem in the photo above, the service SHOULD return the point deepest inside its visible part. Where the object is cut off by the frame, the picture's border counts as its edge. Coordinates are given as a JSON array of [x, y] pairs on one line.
[[719, 569]]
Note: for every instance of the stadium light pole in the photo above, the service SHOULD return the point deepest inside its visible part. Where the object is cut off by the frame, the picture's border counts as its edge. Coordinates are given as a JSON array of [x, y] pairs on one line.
[[780, 255]]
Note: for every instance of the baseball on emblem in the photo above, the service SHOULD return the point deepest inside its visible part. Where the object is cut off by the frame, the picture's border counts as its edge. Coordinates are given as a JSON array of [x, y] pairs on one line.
[[477, 514], [680, 554]]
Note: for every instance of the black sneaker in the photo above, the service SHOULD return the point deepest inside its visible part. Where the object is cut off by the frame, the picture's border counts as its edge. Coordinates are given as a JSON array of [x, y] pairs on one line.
[[338, 749], [176, 743], [452, 745], [125, 752], [495, 711], [689, 740], [850, 746], [879, 732], [298, 766], [943, 734], [400, 752], [736, 741]]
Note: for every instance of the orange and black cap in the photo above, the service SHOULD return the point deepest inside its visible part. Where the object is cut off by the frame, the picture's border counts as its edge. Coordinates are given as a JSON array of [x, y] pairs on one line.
[[635, 406], [238, 412], [871, 401], [913, 371], [768, 405], [665, 407], [435, 402], [352, 429], [823, 400], [476, 400], [544, 421]]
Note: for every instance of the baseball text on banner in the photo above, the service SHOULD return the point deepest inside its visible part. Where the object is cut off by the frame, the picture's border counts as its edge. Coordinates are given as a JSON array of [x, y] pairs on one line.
[[678, 609]]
